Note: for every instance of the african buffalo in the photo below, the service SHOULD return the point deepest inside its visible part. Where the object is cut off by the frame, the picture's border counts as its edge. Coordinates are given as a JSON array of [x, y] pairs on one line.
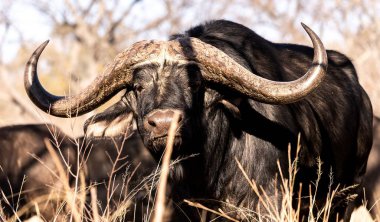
[[29, 176], [238, 96]]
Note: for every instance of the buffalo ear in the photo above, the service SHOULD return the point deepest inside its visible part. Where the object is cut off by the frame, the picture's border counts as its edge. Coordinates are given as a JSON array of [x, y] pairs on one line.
[[232, 106], [113, 122]]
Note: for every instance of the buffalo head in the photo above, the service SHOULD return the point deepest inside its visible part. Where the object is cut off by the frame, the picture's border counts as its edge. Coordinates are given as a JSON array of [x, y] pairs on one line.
[[162, 78]]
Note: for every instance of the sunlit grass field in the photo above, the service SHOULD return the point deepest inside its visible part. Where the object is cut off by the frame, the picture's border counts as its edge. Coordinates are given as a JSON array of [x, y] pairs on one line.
[[73, 198]]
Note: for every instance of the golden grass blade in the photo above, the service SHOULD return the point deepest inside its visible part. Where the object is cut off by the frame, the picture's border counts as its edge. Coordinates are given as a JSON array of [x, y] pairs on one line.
[[61, 171], [254, 187], [160, 201], [200, 206], [94, 206]]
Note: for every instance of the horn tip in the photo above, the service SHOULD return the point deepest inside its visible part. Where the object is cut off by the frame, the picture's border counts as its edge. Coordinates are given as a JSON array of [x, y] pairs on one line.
[[40, 48], [45, 43], [305, 26]]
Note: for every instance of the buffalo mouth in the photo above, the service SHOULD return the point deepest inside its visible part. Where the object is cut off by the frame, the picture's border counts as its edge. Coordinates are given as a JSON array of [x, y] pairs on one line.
[[158, 144]]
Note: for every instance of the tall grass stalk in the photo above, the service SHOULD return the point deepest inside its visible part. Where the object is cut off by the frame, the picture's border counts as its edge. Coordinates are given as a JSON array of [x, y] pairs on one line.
[[161, 189]]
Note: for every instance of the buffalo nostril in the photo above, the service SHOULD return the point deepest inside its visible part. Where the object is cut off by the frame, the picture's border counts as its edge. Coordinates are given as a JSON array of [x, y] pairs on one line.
[[180, 117], [158, 122], [152, 122]]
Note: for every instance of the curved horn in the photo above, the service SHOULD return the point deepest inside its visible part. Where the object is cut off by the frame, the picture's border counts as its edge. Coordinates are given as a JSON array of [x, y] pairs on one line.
[[116, 77], [221, 69]]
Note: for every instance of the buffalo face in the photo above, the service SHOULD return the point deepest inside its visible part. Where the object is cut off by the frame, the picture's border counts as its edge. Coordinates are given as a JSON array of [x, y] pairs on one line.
[[160, 91]]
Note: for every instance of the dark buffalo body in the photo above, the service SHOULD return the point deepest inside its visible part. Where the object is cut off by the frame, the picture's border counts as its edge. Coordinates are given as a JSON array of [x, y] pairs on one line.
[[25, 165], [223, 114], [29, 175]]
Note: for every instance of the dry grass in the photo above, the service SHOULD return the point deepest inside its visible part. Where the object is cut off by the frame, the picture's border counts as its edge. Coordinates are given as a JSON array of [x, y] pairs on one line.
[[69, 196], [267, 210], [72, 204]]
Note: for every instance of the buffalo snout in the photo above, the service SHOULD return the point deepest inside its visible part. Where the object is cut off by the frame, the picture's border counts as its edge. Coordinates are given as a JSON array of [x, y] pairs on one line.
[[157, 122]]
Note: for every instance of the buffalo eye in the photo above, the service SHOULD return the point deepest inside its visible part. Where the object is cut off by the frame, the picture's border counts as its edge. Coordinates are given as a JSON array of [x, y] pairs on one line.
[[138, 87]]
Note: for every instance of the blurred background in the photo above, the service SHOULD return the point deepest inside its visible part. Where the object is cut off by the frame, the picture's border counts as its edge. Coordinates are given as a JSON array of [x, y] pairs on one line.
[[86, 35]]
